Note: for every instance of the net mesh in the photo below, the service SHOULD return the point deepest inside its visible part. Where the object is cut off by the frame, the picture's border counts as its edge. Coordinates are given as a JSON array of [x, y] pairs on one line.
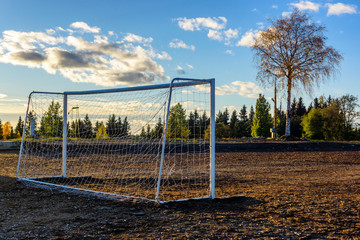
[[115, 141]]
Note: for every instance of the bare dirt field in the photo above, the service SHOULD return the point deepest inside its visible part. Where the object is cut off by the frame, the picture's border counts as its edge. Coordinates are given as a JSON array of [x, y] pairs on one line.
[[307, 192]]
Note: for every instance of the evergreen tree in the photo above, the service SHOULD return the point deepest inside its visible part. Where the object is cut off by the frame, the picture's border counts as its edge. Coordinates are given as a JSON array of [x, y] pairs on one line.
[[233, 121], [125, 130], [204, 122], [194, 124], [251, 114], [316, 103], [262, 120], [52, 121], [19, 127], [119, 127], [143, 133], [243, 114], [300, 108], [87, 129], [148, 131], [111, 125], [223, 117], [158, 130], [177, 126]]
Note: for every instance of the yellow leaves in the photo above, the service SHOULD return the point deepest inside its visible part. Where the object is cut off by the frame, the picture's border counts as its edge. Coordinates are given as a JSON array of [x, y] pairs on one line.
[[6, 128]]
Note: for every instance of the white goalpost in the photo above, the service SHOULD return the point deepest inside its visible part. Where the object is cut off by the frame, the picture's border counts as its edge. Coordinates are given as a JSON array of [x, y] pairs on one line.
[[154, 142]]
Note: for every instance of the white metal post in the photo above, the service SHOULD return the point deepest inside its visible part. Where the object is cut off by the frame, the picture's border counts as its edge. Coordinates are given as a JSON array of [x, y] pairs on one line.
[[23, 136], [164, 142], [64, 152], [212, 139]]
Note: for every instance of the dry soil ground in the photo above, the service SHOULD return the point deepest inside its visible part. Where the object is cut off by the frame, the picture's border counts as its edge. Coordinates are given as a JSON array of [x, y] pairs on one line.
[[288, 194]]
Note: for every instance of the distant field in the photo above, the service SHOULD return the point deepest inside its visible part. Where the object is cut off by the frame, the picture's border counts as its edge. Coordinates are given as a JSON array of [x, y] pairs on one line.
[[290, 192]]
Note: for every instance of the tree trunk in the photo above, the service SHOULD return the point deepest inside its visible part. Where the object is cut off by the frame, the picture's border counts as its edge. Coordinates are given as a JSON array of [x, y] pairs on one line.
[[288, 108]]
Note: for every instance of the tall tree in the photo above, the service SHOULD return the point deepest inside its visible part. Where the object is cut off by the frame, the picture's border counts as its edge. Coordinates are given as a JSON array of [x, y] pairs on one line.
[[293, 51], [177, 126], [262, 120], [251, 114], [7, 130], [233, 121], [19, 127], [111, 125], [157, 132], [51, 124], [87, 131]]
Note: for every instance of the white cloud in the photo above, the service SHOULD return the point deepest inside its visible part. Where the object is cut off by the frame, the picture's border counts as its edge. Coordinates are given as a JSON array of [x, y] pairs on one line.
[[246, 89], [215, 35], [274, 6], [85, 27], [176, 43], [230, 52], [180, 70], [340, 8], [197, 24], [225, 36], [214, 26], [306, 5], [2, 95], [99, 61], [130, 37], [248, 39]]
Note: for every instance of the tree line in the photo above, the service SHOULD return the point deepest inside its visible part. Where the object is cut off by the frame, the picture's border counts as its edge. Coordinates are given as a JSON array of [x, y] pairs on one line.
[[326, 118]]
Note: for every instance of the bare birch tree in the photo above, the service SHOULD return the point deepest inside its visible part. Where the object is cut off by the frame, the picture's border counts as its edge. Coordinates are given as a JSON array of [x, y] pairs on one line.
[[293, 52]]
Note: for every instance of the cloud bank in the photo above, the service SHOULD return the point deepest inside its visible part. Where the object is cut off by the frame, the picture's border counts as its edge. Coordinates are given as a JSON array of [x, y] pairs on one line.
[[340, 8], [245, 89], [176, 43], [215, 26], [82, 54], [306, 5]]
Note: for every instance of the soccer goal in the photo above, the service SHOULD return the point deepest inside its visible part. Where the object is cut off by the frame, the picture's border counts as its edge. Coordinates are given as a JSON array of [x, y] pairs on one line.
[[154, 142]]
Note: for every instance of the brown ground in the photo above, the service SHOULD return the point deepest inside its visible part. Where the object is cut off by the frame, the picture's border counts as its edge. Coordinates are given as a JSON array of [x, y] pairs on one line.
[[288, 194]]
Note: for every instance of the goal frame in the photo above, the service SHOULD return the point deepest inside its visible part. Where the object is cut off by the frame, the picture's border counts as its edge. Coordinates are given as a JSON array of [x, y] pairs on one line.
[[176, 82]]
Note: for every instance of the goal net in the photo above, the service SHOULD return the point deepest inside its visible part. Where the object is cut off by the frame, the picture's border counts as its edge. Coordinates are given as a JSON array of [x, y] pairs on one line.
[[150, 142]]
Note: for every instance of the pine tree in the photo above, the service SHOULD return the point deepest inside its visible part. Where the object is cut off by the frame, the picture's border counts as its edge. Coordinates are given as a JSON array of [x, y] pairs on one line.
[[19, 127], [233, 121], [262, 120], [125, 127], [111, 125], [157, 132], [87, 131]]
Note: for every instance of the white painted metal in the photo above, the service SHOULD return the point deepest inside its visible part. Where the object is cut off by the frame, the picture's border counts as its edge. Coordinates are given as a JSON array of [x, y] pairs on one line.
[[212, 138], [64, 151], [164, 142], [23, 136]]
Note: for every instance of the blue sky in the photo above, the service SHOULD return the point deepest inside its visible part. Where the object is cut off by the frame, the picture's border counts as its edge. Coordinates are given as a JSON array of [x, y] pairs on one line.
[[55, 45]]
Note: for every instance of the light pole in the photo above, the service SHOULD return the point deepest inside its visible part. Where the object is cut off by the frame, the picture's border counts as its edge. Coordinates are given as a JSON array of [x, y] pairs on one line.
[[77, 127]]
